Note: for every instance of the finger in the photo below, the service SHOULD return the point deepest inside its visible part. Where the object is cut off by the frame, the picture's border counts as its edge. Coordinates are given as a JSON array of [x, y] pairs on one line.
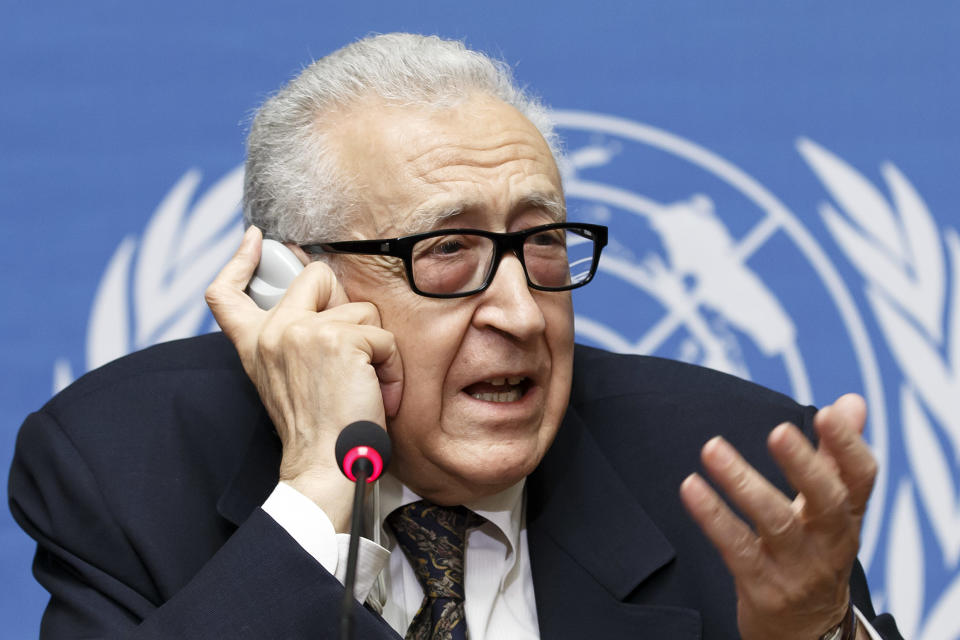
[[384, 354], [839, 427], [380, 349], [231, 307], [315, 289], [386, 361], [390, 374], [768, 509], [825, 496], [738, 545], [365, 313], [850, 410]]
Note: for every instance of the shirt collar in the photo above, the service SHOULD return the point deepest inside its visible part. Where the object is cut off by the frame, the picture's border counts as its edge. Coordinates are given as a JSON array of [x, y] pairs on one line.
[[503, 510]]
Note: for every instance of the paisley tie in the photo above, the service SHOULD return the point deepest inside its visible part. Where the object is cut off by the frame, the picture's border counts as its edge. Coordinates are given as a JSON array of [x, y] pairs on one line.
[[432, 538]]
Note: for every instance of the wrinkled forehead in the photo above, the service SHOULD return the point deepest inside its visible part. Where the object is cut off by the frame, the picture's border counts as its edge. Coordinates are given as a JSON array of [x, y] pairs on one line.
[[416, 168], [426, 218]]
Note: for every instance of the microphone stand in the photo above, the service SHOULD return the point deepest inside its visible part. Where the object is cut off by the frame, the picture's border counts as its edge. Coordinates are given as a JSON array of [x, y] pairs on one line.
[[362, 468], [363, 452]]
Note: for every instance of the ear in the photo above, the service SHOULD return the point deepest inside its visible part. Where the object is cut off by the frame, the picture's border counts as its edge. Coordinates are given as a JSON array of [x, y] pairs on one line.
[[302, 255]]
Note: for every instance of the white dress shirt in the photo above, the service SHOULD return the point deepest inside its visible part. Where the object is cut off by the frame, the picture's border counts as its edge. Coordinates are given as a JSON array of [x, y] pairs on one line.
[[498, 582]]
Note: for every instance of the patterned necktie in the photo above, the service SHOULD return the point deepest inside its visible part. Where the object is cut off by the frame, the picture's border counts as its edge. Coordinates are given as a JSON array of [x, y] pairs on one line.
[[432, 538]]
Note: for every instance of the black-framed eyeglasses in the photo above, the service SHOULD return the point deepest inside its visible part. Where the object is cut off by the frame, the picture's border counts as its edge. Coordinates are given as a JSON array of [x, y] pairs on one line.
[[451, 263]]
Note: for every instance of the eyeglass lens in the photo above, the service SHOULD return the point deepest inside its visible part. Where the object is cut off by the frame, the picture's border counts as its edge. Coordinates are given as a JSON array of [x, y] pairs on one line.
[[460, 262]]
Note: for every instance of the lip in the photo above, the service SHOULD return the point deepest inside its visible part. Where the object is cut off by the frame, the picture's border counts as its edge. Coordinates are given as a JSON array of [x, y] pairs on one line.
[[524, 386], [530, 377], [509, 413], [535, 373], [526, 383]]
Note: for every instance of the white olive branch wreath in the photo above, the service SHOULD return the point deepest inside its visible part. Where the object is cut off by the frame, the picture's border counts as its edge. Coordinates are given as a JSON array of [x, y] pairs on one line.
[[897, 249], [152, 288]]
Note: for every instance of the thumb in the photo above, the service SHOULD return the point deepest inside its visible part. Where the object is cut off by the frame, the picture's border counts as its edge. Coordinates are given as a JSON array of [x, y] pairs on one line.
[[232, 308]]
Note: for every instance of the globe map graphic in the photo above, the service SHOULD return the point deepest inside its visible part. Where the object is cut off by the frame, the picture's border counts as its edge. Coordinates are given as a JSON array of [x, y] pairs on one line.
[[706, 265]]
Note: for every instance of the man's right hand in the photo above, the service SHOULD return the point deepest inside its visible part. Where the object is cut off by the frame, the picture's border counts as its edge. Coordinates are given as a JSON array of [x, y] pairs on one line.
[[319, 362]]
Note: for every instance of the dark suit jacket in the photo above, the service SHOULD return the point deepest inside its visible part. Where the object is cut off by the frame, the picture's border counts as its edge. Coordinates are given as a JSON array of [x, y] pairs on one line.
[[142, 483]]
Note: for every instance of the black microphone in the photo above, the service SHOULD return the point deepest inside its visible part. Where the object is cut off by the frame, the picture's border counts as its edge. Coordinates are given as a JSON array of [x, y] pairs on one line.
[[363, 445], [363, 452]]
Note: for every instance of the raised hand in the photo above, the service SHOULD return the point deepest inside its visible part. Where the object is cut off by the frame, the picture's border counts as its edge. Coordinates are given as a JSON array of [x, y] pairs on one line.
[[792, 568], [319, 362]]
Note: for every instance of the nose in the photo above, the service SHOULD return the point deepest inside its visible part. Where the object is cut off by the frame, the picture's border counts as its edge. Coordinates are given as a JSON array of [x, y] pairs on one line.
[[508, 304]]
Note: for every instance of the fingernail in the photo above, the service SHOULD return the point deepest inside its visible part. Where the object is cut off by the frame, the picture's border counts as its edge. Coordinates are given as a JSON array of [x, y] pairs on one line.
[[785, 435], [722, 451], [692, 485]]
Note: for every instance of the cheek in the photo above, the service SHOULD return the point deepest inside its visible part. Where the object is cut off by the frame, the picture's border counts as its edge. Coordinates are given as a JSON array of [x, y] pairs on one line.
[[560, 336], [429, 342], [559, 319]]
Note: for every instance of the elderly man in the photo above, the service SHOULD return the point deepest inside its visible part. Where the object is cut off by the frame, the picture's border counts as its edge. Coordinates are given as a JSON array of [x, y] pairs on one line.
[[533, 491]]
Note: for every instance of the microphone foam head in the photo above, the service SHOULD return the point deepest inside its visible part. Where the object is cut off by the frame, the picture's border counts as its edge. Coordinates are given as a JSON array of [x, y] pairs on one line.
[[363, 439]]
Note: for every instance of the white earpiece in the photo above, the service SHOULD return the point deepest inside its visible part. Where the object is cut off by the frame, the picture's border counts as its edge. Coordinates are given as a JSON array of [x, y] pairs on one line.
[[277, 269]]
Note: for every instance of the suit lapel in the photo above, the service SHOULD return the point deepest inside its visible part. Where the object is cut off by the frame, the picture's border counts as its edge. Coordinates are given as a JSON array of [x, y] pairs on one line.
[[592, 544]]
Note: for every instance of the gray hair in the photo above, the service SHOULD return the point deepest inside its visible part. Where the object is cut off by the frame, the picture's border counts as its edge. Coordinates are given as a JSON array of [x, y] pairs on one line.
[[293, 188]]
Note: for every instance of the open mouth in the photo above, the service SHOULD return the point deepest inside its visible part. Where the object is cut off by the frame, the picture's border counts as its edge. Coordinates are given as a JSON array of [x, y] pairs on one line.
[[505, 389]]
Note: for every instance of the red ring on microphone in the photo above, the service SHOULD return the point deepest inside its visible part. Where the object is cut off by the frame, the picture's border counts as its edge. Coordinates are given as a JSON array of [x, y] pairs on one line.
[[362, 452]]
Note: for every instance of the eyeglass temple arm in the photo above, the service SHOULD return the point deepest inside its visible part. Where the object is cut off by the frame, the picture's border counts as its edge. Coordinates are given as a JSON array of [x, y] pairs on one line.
[[368, 247]]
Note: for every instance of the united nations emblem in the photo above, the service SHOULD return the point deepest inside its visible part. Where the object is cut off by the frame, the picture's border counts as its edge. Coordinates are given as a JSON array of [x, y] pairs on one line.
[[712, 268], [707, 265]]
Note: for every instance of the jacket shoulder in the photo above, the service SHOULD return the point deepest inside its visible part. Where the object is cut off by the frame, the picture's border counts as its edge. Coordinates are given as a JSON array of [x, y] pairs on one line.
[[211, 352], [189, 395], [659, 413], [600, 375]]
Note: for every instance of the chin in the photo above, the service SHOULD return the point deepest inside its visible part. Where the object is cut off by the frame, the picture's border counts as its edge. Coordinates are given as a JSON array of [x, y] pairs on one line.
[[494, 467]]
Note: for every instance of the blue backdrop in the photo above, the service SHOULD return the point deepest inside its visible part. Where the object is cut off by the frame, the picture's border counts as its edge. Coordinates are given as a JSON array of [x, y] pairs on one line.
[[779, 179]]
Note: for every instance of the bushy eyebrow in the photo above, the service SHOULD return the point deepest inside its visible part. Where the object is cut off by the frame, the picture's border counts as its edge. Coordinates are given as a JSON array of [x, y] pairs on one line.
[[428, 219], [554, 205]]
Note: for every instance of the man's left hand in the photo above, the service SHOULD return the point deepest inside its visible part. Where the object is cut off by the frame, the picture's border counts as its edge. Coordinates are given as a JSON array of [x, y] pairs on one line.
[[792, 569]]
